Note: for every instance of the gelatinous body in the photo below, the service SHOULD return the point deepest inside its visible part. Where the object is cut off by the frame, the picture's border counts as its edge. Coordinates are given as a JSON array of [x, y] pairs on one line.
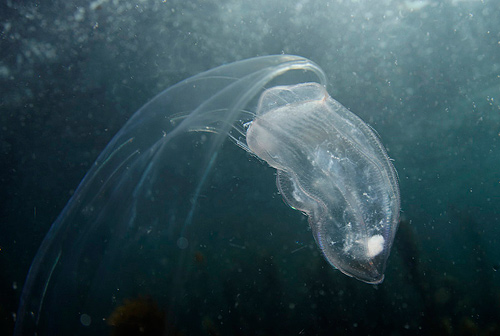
[[145, 203], [332, 167]]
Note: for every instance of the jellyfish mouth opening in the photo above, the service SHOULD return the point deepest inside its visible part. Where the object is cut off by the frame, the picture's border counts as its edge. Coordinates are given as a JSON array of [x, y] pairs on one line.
[[373, 281], [369, 270]]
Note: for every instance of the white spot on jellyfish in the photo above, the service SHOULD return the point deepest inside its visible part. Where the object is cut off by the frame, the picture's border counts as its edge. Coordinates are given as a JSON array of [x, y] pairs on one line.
[[374, 245]]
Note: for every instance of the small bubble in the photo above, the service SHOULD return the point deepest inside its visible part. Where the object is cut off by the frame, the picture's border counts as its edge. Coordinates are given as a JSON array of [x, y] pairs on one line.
[[182, 243], [85, 320]]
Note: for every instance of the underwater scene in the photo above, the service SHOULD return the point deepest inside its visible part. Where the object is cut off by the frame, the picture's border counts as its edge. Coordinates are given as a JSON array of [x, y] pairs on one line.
[[267, 167]]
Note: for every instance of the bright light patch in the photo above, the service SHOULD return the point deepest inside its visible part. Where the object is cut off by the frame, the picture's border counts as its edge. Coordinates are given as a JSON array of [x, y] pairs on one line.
[[374, 245]]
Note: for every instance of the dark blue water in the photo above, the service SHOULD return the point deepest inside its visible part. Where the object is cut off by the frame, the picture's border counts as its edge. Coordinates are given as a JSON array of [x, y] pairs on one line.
[[424, 74]]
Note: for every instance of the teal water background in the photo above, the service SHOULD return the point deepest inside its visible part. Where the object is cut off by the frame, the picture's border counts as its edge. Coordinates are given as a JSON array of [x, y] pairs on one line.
[[424, 74]]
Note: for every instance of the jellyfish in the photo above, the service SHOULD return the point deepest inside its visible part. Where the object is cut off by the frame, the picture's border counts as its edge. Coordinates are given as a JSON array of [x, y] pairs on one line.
[[148, 193]]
